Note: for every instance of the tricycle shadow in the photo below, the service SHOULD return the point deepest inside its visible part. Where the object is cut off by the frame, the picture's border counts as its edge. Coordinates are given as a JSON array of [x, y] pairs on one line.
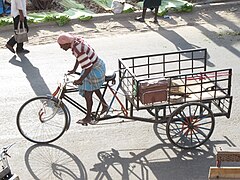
[[173, 163], [48, 161]]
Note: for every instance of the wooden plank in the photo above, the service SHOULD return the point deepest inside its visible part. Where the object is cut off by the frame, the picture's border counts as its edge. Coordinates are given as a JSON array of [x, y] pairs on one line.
[[224, 173]]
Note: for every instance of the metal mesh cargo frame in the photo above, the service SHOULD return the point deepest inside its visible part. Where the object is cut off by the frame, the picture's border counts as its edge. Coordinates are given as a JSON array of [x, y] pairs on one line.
[[181, 65]]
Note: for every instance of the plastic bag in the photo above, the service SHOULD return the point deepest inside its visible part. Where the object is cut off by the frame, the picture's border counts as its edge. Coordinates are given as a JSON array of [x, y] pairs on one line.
[[117, 6]]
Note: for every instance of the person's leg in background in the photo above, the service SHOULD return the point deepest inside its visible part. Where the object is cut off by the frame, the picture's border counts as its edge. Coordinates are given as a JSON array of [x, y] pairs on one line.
[[151, 4], [11, 42], [156, 14], [142, 18], [1, 8], [20, 48]]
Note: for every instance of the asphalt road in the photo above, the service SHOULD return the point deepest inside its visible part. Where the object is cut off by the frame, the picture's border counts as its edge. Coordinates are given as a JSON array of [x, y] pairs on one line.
[[113, 150]]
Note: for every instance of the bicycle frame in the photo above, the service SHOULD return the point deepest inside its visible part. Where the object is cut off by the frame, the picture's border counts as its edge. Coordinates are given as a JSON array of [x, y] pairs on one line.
[[61, 93]]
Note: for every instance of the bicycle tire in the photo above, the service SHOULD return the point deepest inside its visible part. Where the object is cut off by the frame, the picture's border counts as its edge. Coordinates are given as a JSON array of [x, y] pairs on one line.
[[42, 120], [190, 125]]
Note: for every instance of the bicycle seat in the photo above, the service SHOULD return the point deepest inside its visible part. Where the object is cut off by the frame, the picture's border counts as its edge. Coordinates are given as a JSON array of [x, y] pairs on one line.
[[110, 75]]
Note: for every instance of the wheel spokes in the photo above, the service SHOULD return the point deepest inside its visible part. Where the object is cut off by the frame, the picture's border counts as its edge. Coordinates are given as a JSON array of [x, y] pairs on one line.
[[190, 125], [41, 120]]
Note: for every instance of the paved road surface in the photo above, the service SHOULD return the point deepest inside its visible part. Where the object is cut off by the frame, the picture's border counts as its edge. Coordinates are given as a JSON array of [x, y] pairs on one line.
[[132, 150]]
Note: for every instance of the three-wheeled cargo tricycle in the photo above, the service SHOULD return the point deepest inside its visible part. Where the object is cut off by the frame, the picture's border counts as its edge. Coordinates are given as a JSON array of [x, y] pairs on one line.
[[173, 88]]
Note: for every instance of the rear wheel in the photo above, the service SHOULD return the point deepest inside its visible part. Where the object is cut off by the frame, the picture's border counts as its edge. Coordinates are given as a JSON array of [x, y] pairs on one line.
[[190, 125], [42, 120]]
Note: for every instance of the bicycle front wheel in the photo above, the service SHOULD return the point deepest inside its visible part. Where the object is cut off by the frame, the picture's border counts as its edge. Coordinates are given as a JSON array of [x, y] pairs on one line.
[[42, 120]]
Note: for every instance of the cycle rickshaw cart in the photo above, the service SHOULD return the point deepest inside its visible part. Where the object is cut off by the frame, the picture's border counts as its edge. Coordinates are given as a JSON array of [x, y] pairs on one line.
[[173, 88]]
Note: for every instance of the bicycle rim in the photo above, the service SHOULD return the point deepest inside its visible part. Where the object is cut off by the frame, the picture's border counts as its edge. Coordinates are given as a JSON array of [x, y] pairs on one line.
[[41, 120]]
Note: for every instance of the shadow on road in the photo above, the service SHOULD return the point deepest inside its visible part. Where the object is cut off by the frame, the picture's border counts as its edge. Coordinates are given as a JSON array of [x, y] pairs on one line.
[[219, 37], [32, 74], [53, 162], [49, 161], [178, 41], [172, 163]]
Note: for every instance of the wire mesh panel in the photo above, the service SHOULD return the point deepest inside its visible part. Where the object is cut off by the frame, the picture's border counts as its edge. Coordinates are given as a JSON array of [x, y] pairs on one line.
[[175, 78], [167, 64]]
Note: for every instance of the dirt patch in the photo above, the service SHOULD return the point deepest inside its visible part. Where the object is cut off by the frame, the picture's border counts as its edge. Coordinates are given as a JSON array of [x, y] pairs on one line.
[[92, 6], [55, 5], [124, 23]]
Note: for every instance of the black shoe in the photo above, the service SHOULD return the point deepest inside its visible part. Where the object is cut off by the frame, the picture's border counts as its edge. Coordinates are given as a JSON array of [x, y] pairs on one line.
[[23, 51], [10, 48], [155, 21]]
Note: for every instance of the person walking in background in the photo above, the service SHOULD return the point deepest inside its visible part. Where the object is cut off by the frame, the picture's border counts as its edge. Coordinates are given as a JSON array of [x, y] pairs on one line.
[[19, 13], [93, 71], [151, 4], [5, 8]]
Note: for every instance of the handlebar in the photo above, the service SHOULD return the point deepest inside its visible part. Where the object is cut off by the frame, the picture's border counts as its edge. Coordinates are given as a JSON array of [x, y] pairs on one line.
[[78, 73], [4, 151], [66, 77], [65, 82]]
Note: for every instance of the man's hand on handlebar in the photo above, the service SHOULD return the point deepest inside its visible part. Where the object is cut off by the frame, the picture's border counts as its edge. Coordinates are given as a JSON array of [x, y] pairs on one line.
[[77, 82], [71, 72]]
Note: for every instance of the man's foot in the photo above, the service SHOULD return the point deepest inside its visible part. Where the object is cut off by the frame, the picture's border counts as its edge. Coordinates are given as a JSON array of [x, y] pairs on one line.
[[10, 48], [140, 19], [155, 20], [84, 121], [23, 51]]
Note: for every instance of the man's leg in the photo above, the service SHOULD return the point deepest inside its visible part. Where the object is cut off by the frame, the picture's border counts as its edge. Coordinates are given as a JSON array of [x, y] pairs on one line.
[[144, 13], [142, 19], [20, 48], [89, 103], [11, 42], [102, 100], [155, 14]]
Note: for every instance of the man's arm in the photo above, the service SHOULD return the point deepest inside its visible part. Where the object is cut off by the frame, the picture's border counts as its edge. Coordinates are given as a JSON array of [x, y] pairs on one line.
[[83, 76], [21, 18], [74, 68], [20, 7]]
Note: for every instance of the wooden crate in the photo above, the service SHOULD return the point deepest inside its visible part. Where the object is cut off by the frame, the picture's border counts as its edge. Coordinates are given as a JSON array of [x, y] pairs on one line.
[[227, 154], [231, 154]]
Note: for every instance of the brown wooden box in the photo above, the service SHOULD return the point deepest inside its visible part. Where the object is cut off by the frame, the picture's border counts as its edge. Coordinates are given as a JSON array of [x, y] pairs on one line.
[[150, 92]]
